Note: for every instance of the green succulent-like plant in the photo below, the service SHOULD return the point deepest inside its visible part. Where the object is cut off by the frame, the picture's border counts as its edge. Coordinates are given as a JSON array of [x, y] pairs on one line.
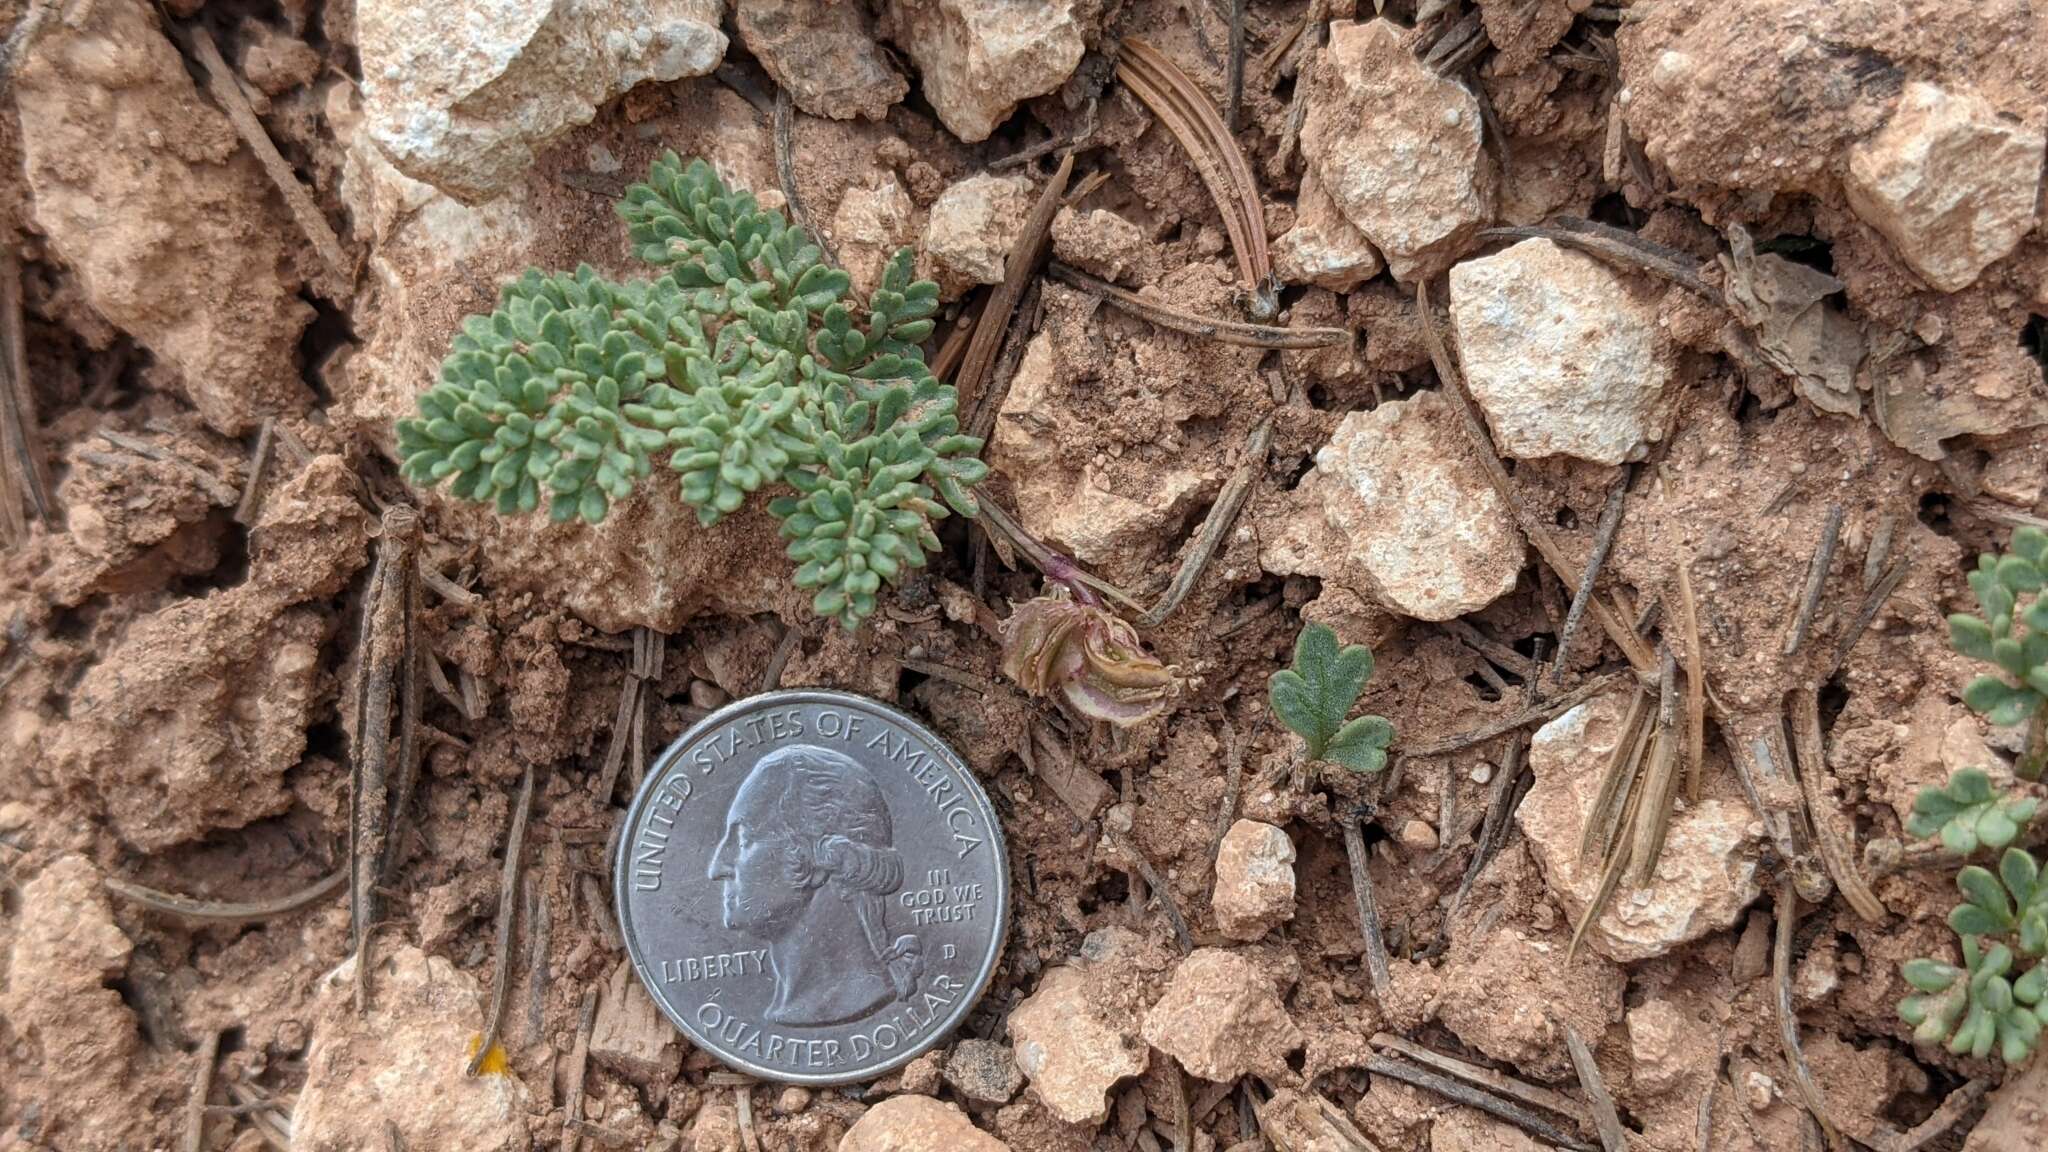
[[1977, 1008], [1968, 812], [1315, 695], [2020, 695], [741, 363], [1980, 1008]]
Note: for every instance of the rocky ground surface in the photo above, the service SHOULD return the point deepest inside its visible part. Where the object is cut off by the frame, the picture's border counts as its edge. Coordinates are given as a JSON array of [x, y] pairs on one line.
[[243, 232]]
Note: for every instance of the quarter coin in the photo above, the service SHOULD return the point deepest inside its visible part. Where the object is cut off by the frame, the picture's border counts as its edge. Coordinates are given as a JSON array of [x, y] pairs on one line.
[[812, 886]]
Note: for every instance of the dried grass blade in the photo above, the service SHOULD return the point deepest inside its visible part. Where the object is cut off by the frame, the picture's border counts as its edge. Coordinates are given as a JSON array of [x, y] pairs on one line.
[[783, 116], [1603, 543], [1660, 786], [1222, 514], [1472, 1097], [1816, 579], [508, 913], [1223, 331], [981, 422], [1788, 1020], [1610, 879], [1886, 585], [1185, 110], [1695, 687], [1763, 767], [229, 912], [1613, 1137], [1487, 1078], [1837, 853], [579, 1068], [24, 488], [1368, 910], [1534, 714], [1019, 266], [202, 1085], [1610, 808], [1626, 749]]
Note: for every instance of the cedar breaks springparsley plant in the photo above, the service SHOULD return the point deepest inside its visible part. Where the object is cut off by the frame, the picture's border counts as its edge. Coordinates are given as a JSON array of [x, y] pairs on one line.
[[740, 362]]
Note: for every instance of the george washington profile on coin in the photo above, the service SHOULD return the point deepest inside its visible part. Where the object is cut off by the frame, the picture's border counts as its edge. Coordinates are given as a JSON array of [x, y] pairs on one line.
[[812, 887], [806, 863]]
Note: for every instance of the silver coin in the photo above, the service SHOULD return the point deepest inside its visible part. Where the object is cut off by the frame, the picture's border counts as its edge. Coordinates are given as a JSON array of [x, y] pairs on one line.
[[812, 886]]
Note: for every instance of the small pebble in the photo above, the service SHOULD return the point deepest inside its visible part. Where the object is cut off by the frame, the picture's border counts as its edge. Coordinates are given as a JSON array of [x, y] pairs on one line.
[[793, 1100], [1482, 772], [1418, 836]]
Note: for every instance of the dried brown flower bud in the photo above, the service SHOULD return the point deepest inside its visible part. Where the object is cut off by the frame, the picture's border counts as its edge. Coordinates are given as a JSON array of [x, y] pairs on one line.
[[1051, 643]]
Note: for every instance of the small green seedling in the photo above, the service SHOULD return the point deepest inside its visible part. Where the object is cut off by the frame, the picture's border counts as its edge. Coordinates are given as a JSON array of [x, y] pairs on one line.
[[1314, 696], [2020, 696], [1980, 1008], [741, 362]]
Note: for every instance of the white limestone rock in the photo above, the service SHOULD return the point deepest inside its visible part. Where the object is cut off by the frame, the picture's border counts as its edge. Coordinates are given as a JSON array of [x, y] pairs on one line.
[[970, 230], [824, 53], [1324, 248], [1254, 880], [1949, 182], [977, 58], [1399, 511], [1398, 147], [403, 1061], [1561, 352], [461, 93], [1069, 1053]]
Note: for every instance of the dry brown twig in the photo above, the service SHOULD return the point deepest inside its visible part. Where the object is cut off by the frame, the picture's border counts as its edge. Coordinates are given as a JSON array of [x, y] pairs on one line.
[[1167, 904], [273, 1126], [1816, 579], [1837, 850], [1019, 266], [629, 723], [1603, 543], [1613, 1137], [989, 404], [1368, 908], [1472, 1097], [1788, 1020], [1222, 515], [508, 914], [771, 676], [1180, 104], [226, 89], [202, 1086], [579, 1067], [1695, 687], [1487, 1078], [784, 117], [1532, 714], [1222, 331], [1616, 247], [24, 488], [387, 659]]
